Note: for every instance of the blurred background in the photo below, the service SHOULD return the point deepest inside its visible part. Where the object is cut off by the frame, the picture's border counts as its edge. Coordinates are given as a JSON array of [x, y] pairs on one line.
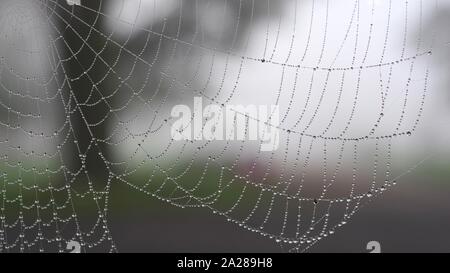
[[87, 89]]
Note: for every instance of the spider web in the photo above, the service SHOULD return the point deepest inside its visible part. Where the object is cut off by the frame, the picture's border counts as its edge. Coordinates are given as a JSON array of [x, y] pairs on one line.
[[87, 89]]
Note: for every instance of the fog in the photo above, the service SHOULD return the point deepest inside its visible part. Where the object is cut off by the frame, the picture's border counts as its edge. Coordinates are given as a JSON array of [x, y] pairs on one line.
[[112, 71]]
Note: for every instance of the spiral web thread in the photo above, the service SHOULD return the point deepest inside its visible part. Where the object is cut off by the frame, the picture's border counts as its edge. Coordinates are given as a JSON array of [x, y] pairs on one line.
[[324, 84]]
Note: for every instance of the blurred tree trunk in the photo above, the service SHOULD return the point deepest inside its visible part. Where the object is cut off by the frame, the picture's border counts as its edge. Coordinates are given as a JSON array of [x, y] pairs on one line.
[[84, 49]]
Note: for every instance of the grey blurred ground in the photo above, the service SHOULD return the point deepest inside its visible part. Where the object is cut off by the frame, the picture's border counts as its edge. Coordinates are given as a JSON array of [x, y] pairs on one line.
[[414, 216]]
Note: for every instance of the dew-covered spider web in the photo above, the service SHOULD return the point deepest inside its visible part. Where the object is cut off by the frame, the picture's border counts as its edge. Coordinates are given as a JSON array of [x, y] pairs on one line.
[[87, 88]]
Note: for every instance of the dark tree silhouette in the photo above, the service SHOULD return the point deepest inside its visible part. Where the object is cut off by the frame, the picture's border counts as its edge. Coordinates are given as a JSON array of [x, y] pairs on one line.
[[83, 50]]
